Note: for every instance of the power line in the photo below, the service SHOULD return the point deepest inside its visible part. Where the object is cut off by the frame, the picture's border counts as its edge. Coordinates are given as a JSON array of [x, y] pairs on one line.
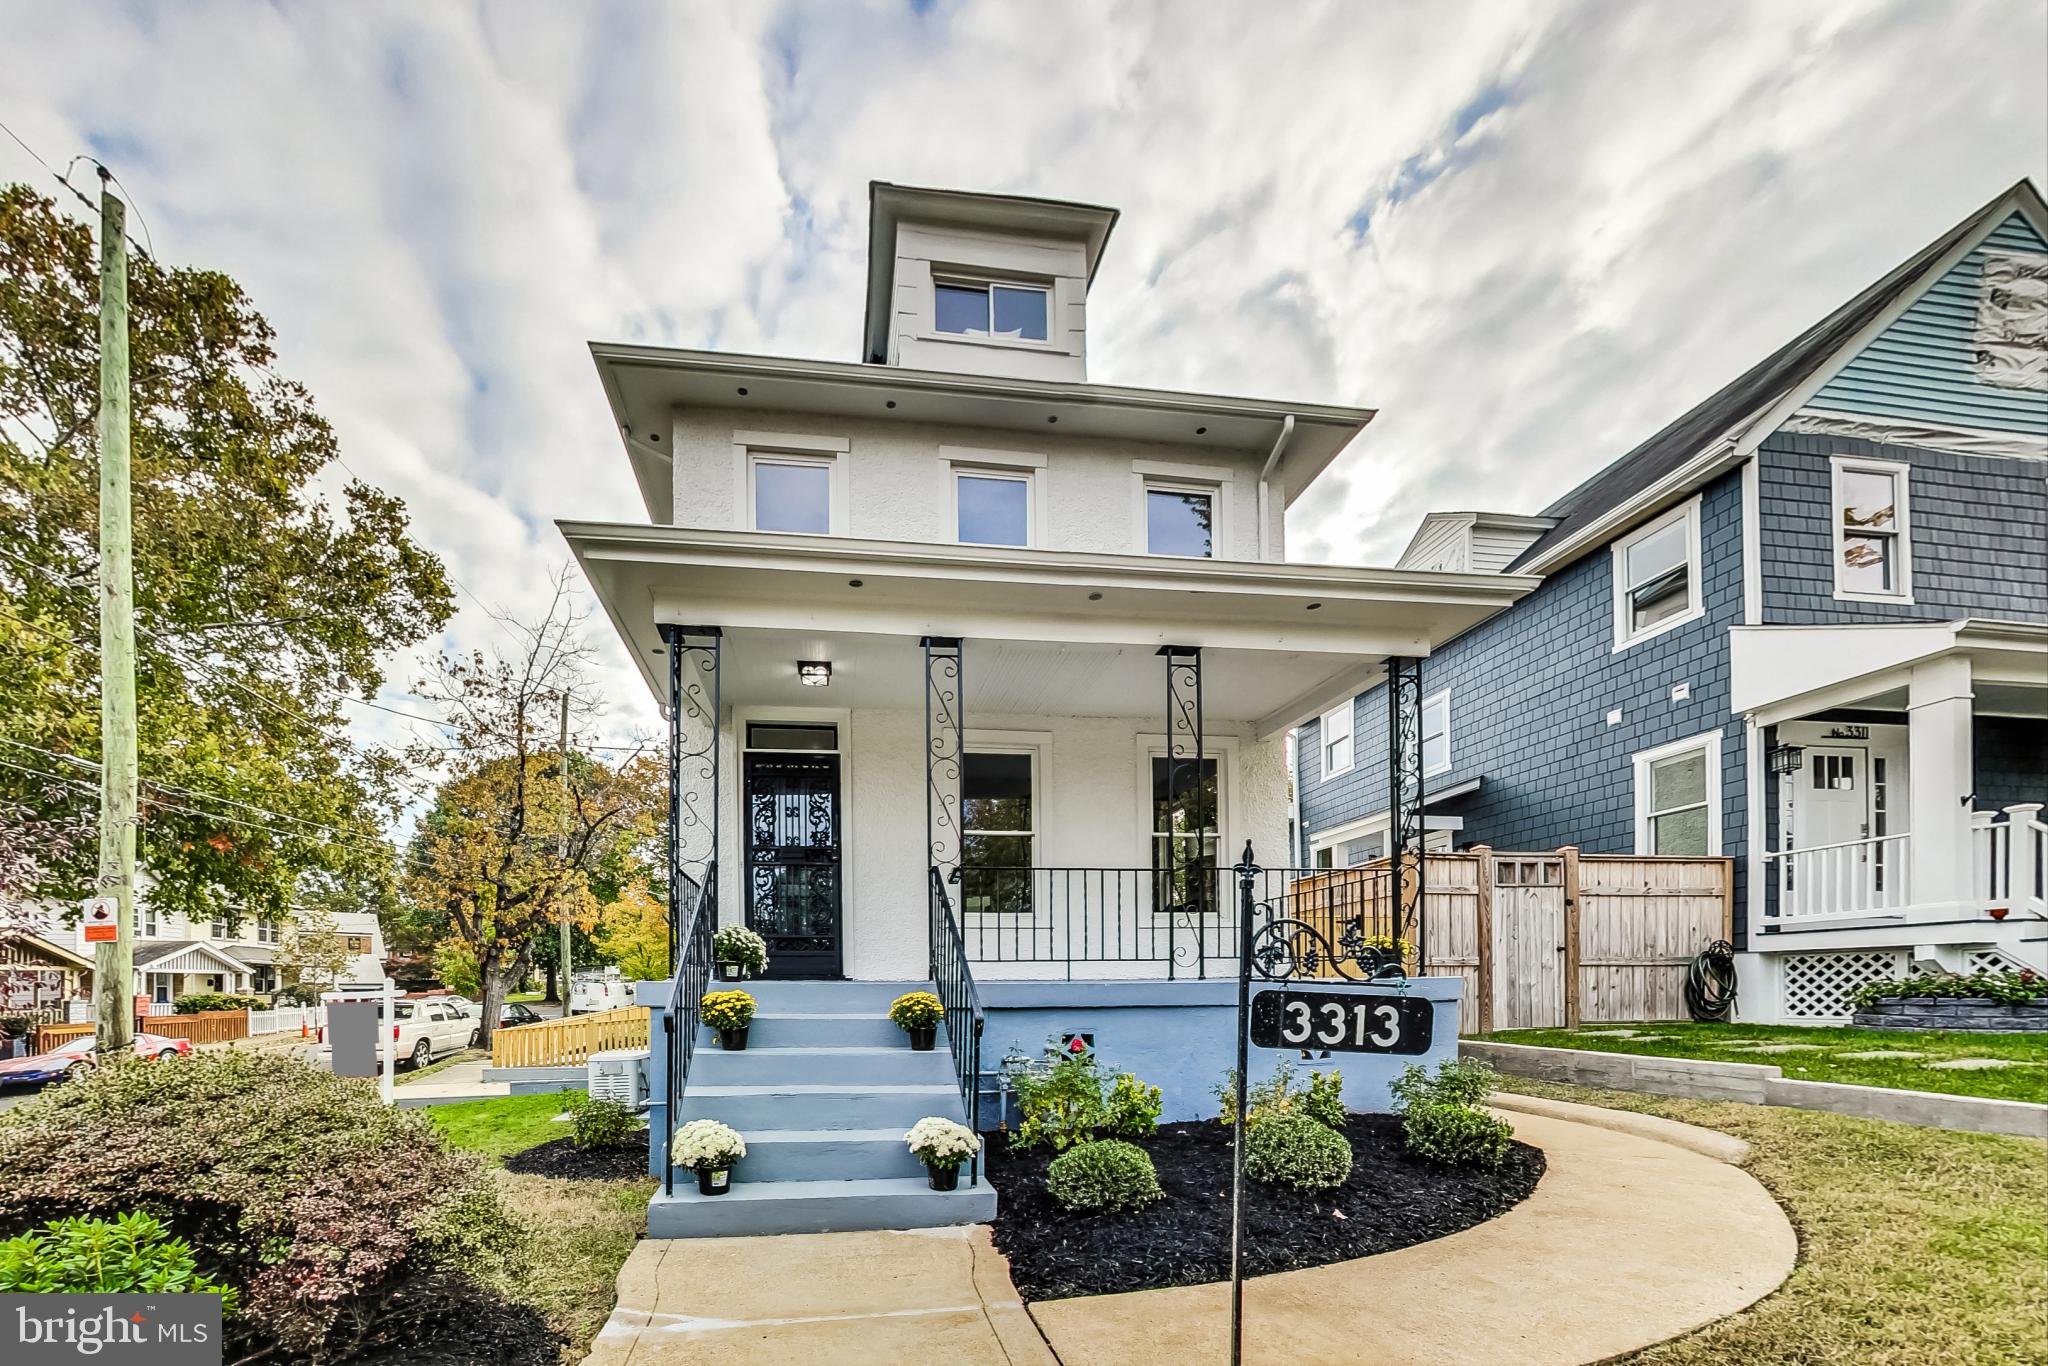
[[148, 252]]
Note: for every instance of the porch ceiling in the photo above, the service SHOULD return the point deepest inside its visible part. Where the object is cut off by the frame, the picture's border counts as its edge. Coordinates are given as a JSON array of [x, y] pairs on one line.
[[1047, 632]]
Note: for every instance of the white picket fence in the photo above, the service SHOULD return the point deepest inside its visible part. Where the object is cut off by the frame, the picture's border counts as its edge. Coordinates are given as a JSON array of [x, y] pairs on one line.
[[287, 1020]]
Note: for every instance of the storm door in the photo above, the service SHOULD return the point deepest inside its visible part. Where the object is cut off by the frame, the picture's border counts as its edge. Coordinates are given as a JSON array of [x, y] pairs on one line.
[[792, 871]]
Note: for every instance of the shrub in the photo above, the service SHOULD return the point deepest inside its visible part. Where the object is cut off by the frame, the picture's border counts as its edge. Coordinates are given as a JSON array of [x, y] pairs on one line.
[[1279, 1094], [1458, 1081], [1456, 1135], [318, 1203], [1108, 1175], [1294, 1150], [941, 1143], [17, 1026], [727, 1009], [1132, 1108], [2009, 988], [297, 994], [1324, 1100], [738, 944], [600, 1123], [1062, 1105], [917, 1010], [198, 1002], [705, 1145], [133, 1252]]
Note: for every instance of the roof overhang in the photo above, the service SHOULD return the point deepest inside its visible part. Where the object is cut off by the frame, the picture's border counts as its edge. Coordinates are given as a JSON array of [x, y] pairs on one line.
[[1780, 673], [57, 953], [646, 385], [1067, 629], [187, 956], [1018, 215]]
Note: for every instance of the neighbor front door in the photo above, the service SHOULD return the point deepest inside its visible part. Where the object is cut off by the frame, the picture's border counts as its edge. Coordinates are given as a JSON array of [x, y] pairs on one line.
[[792, 882], [1831, 806]]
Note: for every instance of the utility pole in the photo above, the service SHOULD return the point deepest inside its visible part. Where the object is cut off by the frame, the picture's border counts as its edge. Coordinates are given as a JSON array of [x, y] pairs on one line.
[[114, 960], [562, 850]]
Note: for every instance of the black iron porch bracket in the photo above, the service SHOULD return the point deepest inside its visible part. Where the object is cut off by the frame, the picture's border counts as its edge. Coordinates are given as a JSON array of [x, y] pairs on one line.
[[693, 766], [1405, 843]]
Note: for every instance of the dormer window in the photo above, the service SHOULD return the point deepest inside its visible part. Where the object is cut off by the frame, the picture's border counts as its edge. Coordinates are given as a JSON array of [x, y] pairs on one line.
[[996, 312]]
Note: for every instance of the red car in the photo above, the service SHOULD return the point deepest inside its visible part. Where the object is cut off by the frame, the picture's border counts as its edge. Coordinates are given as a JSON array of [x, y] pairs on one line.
[[76, 1058]]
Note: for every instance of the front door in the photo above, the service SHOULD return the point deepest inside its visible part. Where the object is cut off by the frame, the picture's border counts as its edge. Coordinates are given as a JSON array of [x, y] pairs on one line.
[[792, 868], [1830, 807]]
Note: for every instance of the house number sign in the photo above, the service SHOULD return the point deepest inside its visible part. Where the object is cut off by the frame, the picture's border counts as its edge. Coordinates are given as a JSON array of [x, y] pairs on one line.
[[1341, 1021]]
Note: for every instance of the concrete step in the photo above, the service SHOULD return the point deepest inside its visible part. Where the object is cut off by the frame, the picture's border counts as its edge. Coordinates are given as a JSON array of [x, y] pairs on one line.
[[812, 998], [819, 1067], [822, 1029], [758, 1207], [827, 1154], [843, 1106]]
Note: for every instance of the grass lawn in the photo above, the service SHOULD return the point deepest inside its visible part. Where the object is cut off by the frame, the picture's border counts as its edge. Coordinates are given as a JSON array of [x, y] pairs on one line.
[[1915, 1245], [581, 1231], [1825, 1060]]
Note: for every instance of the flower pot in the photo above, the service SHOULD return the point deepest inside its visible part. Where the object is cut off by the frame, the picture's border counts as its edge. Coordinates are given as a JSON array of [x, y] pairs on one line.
[[732, 972], [2000, 912], [925, 1039], [734, 1040], [943, 1178], [714, 1183]]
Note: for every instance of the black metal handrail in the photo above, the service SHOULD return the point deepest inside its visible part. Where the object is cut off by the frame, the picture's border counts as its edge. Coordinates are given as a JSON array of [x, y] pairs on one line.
[[954, 980], [685, 1005]]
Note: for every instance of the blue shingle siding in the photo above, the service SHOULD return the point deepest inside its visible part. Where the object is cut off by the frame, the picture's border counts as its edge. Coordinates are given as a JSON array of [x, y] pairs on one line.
[[1977, 528], [1922, 367], [2010, 754], [1530, 693]]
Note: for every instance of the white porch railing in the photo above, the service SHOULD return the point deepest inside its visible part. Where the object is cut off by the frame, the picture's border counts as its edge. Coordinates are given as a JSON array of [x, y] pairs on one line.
[[1853, 880], [2009, 859]]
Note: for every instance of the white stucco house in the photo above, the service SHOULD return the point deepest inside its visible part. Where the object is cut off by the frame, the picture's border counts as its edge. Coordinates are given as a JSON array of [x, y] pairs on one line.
[[977, 669]]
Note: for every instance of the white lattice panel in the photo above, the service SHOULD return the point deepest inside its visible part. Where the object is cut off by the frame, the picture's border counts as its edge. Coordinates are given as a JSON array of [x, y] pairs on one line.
[[1818, 985], [1992, 960]]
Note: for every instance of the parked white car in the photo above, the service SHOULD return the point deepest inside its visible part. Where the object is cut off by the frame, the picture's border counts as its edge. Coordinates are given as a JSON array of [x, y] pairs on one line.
[[605, 990], [424, 1030]]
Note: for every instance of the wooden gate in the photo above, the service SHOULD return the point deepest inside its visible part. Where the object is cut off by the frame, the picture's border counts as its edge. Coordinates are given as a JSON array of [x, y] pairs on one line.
[[1526, 944]]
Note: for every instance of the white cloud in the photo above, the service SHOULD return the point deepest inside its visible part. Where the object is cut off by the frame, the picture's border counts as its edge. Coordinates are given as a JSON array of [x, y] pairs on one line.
[[1528, 234]]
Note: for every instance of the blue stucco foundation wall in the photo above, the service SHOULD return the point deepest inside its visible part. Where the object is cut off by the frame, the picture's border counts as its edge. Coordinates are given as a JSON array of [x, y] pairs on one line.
[[1181, 1037]]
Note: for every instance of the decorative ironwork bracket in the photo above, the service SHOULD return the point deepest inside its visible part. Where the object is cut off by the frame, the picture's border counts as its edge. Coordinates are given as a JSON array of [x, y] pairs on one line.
[[945, 749], [693, 766], [1405, 844]]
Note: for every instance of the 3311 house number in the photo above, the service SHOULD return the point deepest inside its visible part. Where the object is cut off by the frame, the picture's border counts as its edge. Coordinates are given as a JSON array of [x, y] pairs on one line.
[[1343, 1022]]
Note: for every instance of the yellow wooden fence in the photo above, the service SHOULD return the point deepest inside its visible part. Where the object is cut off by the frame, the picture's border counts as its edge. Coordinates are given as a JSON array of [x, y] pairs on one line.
[[567, 1043]]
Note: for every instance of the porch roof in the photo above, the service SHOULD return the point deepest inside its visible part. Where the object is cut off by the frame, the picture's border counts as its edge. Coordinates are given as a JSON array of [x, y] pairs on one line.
[[1783, 672], [1058, 632], [185, 955]]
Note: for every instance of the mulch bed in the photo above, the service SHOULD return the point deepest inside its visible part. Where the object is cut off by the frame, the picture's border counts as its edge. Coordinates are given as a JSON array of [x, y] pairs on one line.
[[447, 1321], [1391, 1201], [563, 1160]]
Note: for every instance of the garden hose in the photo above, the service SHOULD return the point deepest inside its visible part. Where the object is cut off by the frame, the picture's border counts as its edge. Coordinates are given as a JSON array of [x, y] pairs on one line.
[[1710, 982]]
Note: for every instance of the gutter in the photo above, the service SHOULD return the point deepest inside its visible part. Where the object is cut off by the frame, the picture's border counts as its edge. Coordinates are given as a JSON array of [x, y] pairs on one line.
[[1265, 486]]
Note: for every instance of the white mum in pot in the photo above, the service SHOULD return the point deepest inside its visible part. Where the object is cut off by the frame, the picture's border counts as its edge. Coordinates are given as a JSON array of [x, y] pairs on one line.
[[705, 1145], [941, 1144]]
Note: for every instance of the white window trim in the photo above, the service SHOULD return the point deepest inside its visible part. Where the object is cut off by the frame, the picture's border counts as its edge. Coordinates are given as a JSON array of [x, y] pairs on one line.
[[1027, 466], [1444, 697], [976, 279], [1902, 540], [1175, 477], [1696, 608], [1348, 710], [1038, 745], [1711, 743], [1222, 749], [789, 448]]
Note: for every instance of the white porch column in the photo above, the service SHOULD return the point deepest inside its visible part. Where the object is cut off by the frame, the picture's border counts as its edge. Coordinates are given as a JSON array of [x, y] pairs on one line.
[[1941, 774]]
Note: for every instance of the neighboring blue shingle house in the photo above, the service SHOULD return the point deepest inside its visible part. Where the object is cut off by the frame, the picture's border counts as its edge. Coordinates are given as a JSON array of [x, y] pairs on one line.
[[1804, 626]]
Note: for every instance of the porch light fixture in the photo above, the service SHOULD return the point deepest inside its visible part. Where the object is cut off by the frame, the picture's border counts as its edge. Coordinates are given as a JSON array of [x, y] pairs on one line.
[[1785, 759], [814, 673]]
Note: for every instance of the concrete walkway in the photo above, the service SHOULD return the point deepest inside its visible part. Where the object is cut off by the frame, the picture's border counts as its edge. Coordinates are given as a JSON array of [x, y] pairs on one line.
[[1630, 1238]]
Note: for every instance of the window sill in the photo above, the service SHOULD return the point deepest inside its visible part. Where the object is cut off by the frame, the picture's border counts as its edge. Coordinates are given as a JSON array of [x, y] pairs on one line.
[[998, 343], [1847, 595]]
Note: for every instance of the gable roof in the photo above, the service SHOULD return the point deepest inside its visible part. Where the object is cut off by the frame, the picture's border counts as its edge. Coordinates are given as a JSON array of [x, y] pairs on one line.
[[1757, 389], [161, 954]]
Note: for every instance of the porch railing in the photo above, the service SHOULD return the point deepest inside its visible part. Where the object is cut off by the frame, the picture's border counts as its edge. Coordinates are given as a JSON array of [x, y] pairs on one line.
[[1844, 881], [2009, 859], [955, 982], [1097, 922], [693, 974]]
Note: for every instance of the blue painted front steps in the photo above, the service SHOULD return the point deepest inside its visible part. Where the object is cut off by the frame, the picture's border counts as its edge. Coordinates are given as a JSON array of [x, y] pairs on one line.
[[822, 1094]]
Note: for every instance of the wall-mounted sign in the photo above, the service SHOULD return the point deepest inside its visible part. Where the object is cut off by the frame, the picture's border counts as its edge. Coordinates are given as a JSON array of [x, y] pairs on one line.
[[1848, 733], [1341, 1021]]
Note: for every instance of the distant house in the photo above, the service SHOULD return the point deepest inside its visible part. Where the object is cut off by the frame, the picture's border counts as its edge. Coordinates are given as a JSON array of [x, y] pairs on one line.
[[176, 956], [1804, 626], [39, 978]]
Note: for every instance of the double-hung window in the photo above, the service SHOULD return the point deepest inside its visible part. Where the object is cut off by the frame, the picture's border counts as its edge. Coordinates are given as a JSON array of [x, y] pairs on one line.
[[1436, 733], [992, 310], [1872, 557], [1180, 520], [1185, 810], [992, 507], [998, 830], [1334, 734], [1678, 797], [1657, 576]]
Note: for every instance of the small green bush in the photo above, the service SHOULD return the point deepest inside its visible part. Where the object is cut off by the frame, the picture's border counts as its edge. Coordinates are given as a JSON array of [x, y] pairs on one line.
[[132, 1252], [198, 1002], [2009, 988], [1324, 1100], [601, 1123], [1280, 1094], [1457, 1081], [1107, 1175], [1061, 1106], [1295, 1150], [1132, 1109], [1456, 1136]]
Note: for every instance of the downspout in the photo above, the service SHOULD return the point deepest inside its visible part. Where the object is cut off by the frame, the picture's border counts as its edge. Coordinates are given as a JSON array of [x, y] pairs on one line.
[[1265, 491]]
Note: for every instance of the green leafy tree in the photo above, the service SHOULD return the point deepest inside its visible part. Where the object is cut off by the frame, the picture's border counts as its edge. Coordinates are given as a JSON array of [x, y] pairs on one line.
[[261, 600]]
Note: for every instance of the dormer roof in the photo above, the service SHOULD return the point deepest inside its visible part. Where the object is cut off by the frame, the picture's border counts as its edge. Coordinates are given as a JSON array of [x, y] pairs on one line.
[[1020, 215]]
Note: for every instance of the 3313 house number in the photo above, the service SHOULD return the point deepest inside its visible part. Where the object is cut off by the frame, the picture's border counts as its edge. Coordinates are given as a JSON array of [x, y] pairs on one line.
[[1343, 1022]]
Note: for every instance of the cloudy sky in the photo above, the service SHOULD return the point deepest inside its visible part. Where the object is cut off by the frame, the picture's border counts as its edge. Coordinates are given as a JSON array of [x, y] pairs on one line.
[[1528, 233]]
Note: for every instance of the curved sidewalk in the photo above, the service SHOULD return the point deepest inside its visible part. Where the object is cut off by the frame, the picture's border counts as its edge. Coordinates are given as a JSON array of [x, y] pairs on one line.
[[1627, 1241]]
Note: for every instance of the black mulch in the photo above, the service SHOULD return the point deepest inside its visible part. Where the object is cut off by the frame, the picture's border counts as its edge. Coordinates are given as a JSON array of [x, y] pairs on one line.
[[1392, 1200], [562, 1159]]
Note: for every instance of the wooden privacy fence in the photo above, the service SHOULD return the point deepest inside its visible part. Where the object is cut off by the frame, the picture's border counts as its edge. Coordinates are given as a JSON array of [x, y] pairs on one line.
[[211, 1026], [1544, 940], [567, 1043], [50, 1036]]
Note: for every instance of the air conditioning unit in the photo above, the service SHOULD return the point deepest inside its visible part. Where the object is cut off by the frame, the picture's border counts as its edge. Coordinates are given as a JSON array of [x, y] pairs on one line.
[[619, 1074]]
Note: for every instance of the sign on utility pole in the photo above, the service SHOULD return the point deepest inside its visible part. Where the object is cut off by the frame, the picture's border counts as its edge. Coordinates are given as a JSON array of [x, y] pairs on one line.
[[114, 957]]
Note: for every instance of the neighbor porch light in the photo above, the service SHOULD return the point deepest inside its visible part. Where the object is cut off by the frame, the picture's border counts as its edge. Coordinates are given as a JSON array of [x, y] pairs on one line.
[[814, 673], [1785, 759]]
